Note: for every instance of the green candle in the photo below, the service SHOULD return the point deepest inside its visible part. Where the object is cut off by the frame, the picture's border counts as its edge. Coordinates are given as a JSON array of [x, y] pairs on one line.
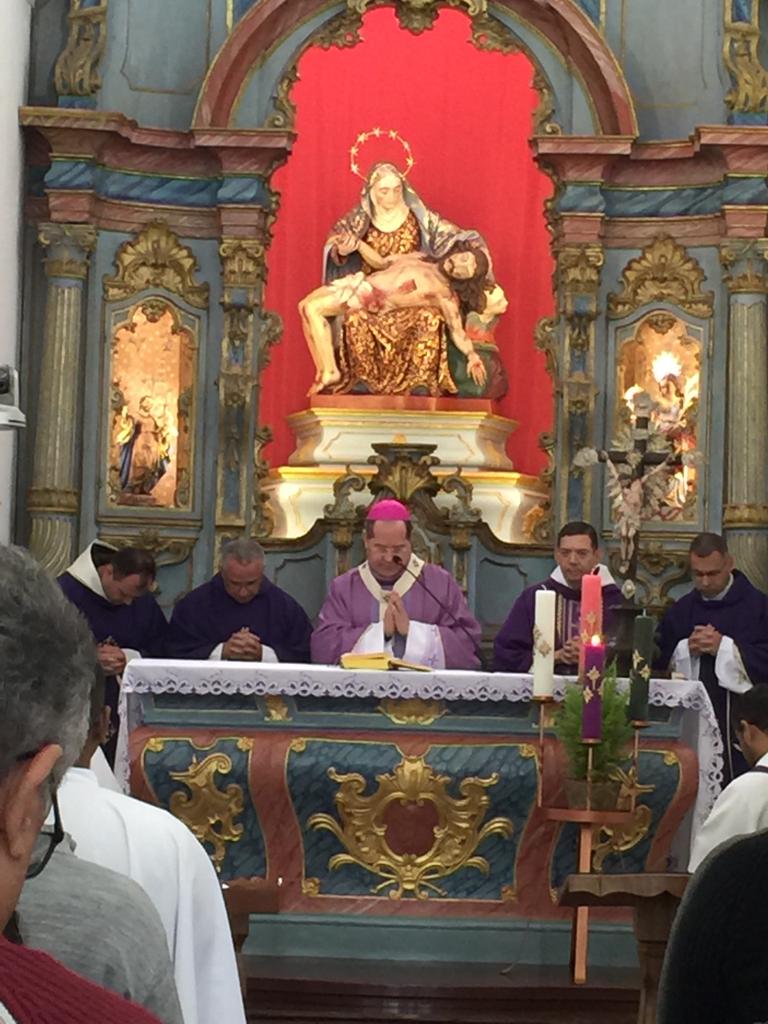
[[640, 673]]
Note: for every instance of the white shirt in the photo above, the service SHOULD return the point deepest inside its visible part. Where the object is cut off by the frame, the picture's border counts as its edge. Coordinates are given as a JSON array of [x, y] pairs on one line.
[[741, 809], [160, 853]]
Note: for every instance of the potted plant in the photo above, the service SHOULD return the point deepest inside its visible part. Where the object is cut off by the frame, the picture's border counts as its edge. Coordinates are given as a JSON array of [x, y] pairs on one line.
[[607, 755]]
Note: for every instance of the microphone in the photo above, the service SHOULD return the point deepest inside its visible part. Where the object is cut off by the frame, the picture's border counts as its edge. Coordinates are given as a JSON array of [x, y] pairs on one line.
[[443, 607]]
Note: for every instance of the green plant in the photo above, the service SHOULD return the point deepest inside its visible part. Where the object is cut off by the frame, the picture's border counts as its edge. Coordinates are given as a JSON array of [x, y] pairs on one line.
[[617, 732]]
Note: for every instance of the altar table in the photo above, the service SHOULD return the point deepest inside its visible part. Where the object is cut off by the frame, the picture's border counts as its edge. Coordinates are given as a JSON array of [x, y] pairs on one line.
[[403, 797]]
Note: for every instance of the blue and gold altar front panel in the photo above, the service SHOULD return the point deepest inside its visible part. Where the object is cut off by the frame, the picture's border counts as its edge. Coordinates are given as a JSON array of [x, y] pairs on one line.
[[207, 786], [392, 807], [446, 823]]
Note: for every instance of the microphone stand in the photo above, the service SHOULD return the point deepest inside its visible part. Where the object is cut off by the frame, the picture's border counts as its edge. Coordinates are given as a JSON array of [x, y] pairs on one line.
[[443, 607]]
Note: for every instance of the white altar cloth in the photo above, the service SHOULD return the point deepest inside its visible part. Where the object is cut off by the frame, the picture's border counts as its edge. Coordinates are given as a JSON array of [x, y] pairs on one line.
[[155, 675]]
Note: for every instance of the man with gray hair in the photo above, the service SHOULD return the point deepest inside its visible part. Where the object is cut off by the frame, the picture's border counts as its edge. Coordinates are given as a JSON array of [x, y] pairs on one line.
[[239, 615], [47, 664]]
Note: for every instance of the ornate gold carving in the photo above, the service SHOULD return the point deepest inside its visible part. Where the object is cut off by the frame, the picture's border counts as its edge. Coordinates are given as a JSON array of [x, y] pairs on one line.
[[69, 247], [744, 263], [342, 31], [77, 69], [51, 541], [671, 758], [263, 513], [741, 55], [537, 521], [155, 745], [745, 515], [165, 550], [299, 745], [621, 838], [284, 114], [578, 269], [277, 709], [244, 743], [404, 470], [243, 261], [542, 115], [155, 259], [310, 886], [657, 559], [457, 834], [412, 711], [661, 322], [581, 390], [488, 33], [419, 15], [664, 272], [508, 894], [209, 812], [545, 340]]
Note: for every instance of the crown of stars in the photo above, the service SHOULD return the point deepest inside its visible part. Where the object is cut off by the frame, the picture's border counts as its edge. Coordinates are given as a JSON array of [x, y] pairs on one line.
[[379, 133]]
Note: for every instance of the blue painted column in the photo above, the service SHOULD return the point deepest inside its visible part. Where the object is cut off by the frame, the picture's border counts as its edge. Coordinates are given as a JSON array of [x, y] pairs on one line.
[[745, 511], [54, 500]]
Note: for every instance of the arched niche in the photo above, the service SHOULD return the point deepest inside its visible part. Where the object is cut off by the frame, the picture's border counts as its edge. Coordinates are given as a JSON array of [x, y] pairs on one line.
[[559, 37]]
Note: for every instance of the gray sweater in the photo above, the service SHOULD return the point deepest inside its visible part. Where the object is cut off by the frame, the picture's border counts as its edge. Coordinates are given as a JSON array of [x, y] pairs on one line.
[[103, 927]]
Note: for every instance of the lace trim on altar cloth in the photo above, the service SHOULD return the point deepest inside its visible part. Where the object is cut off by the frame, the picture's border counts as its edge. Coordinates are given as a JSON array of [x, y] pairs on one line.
[[699, 726]]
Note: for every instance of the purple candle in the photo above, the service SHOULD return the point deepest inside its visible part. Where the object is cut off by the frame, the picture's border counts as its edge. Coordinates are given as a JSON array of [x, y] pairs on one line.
[[592, 713]]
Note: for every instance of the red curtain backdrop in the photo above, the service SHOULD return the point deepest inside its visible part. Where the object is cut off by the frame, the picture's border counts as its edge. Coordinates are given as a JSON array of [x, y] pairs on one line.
[[467, 116]]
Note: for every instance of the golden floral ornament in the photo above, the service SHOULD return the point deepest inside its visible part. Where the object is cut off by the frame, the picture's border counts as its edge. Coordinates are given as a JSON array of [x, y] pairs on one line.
[[209, 812], [155, 258], [411, 832], [379, 133], [541, 646], [411, 710], [664, 272]]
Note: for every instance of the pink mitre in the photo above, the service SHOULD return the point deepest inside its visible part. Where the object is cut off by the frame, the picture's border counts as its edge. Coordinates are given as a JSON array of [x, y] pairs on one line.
[[388, 509]]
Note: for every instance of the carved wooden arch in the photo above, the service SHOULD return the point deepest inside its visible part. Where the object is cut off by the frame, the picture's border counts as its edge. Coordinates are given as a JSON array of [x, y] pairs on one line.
[[567, 29]]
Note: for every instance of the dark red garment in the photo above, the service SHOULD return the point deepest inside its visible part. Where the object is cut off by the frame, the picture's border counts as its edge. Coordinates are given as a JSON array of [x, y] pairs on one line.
[[35, 989]]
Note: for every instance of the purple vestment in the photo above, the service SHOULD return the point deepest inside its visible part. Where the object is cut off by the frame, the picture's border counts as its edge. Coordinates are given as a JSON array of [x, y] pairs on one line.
[[742, 615], [350, 608], [140, 625], [513, 646], [208, 616]]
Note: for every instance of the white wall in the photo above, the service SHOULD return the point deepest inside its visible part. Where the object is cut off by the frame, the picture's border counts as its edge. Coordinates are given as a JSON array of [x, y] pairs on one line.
[[13, 89]]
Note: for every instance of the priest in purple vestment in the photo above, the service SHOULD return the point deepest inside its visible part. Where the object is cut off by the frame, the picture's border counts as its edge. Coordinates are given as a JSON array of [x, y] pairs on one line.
[[577, 554], [239, 615], [395, 602], [718, 633], [111, 588]]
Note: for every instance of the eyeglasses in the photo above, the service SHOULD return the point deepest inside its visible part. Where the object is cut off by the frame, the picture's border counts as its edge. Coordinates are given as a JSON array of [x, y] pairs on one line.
[[48, 841]]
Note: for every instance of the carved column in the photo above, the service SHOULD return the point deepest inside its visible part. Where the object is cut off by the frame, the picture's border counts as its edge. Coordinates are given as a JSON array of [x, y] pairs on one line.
[[54, 500], [248, 333], [745, 515], [578, 276]]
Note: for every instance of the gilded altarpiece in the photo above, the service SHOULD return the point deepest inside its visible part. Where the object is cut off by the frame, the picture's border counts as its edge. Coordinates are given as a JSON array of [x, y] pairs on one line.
[[661, 354], [149, 429], [154, 322]]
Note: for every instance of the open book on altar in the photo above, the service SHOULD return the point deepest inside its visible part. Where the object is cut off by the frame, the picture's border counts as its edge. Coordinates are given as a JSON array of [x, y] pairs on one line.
[[380, 660]]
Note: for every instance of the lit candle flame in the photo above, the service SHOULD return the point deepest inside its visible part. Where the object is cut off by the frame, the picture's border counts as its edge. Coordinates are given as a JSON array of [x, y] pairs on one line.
[[596, 640]]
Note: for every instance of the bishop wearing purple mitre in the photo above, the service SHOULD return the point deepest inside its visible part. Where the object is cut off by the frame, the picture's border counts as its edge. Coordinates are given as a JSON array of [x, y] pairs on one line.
[[239, 615], [577, 553], [396, 603]]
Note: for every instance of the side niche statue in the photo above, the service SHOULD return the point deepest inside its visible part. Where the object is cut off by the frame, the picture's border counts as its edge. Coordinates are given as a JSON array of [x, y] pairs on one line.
[[400, 282]]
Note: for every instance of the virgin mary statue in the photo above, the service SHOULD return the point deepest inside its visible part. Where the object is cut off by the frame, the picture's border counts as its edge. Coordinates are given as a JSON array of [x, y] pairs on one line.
[[391, 351]]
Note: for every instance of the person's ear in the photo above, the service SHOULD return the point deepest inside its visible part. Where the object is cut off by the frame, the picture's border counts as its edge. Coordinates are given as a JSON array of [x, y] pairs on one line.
[[24, 808]]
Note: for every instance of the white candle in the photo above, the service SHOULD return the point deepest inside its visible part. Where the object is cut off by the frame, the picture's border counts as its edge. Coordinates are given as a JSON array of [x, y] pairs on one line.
[[544, 644]]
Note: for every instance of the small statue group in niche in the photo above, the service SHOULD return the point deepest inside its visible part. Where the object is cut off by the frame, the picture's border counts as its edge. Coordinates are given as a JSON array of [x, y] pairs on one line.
[[400, 282], [144, 448]]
